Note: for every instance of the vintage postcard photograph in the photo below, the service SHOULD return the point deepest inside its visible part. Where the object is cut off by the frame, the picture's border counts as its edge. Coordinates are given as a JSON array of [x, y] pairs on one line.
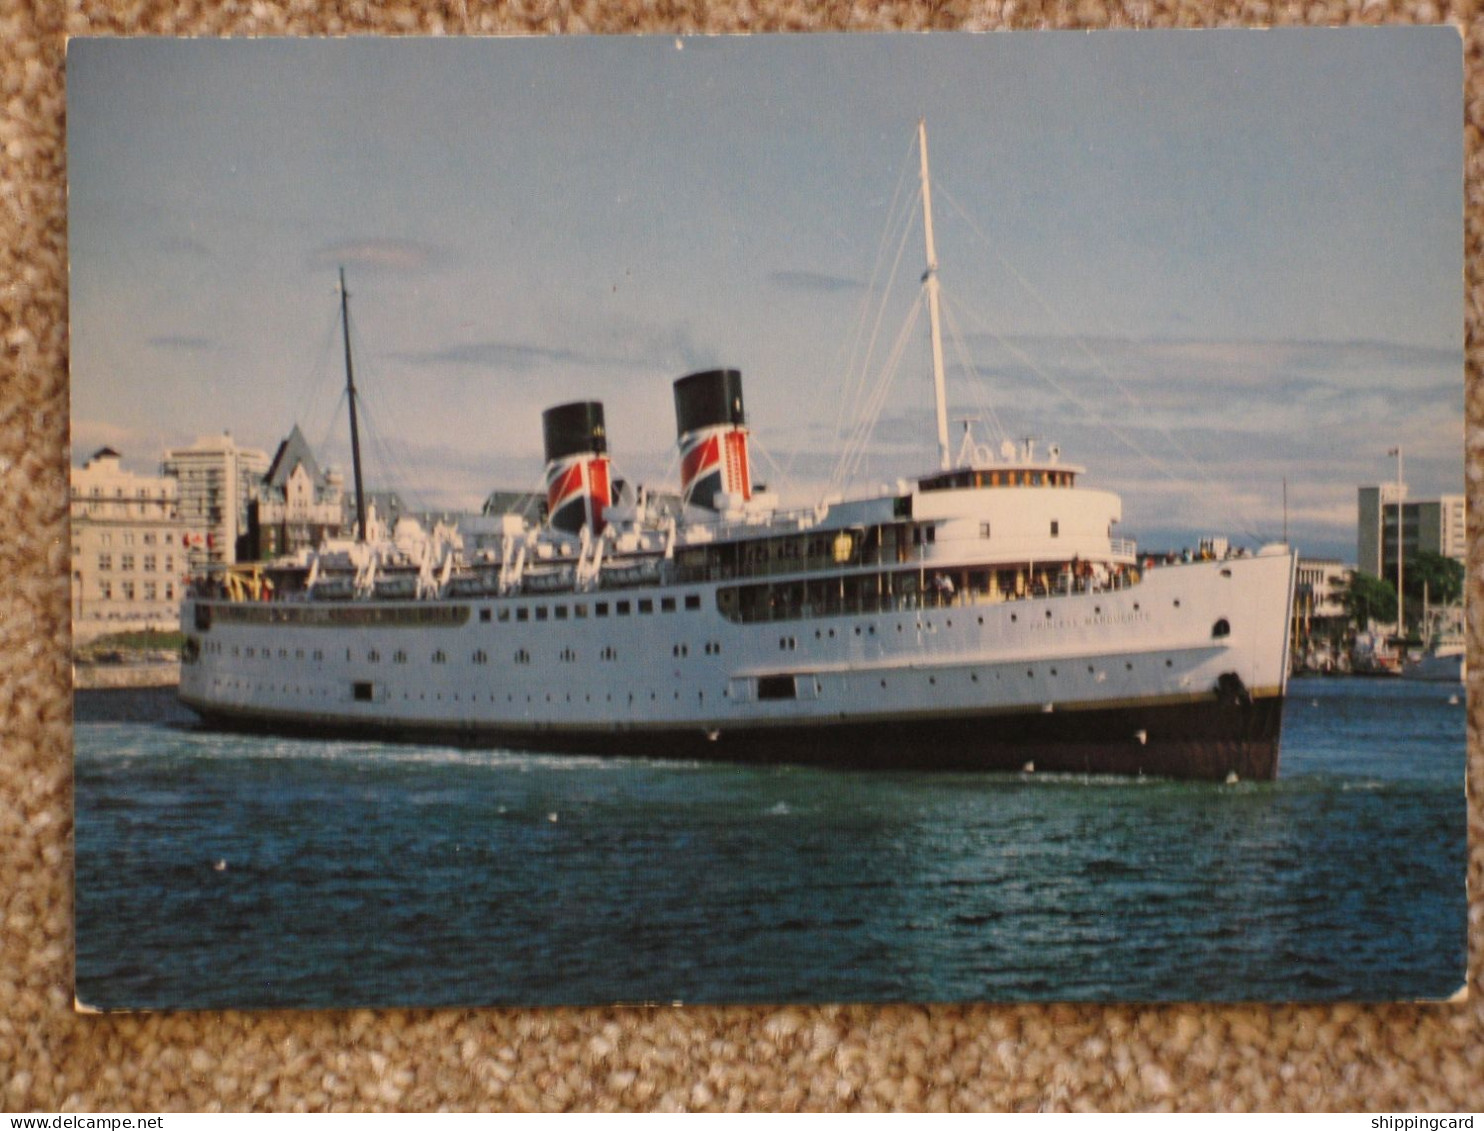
[[828, 518]]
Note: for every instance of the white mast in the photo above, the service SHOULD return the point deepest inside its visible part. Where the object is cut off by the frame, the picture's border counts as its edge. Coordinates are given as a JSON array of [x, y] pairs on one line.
[[1401, 490], [930, 278]]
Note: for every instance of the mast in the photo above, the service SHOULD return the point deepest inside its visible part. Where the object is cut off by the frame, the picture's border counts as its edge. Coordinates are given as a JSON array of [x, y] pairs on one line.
[[930, 279], [350, 390], [1401, 490]]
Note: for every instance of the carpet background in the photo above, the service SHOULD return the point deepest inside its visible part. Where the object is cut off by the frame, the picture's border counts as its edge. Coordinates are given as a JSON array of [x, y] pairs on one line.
[[963, 1057]]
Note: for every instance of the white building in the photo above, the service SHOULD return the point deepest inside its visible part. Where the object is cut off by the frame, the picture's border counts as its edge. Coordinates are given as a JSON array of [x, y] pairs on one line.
[[217, 483], [298, 506], [128, 549], [1321, 586]]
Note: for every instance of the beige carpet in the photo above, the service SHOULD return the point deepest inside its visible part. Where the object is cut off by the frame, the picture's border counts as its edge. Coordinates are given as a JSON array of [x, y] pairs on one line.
[[972, 1057]]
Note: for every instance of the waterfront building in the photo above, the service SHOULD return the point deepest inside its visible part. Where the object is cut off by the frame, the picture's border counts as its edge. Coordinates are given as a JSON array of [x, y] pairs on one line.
[[297, 506], [1319, 618], [1321, 586], [128, 549], [1427, 526], [217, 483]]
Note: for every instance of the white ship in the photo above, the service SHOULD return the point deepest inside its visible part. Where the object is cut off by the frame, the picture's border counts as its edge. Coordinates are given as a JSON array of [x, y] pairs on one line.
[[1444, 657], [983, 616]]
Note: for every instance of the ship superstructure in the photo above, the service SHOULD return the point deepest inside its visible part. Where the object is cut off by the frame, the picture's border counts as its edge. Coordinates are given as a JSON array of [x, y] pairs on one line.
[[985, 615]]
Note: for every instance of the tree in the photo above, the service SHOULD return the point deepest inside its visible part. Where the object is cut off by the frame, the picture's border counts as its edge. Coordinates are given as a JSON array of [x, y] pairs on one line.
[[1442, 576], [1367, 598]]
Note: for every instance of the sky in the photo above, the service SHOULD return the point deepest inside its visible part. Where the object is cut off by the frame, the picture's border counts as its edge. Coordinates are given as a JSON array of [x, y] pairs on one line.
[[1202, 263]]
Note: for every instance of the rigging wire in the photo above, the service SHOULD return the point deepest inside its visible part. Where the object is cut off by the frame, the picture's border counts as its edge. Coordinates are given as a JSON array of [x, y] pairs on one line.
[[868, 405], [1097, 364], [398, 480], [672, 466], [1065, 390], [978, 386], [855, 452], [754, 445], [395, 466], [850, 387], [1086, 406], [898, 215], [391, 468], [529, 503], [332, 424], [862, 413], [310, 392]]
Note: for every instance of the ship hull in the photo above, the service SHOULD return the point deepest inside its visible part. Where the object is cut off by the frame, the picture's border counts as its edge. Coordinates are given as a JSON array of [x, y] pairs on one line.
[[1438, 668], [1181, 676], [1211, 738]]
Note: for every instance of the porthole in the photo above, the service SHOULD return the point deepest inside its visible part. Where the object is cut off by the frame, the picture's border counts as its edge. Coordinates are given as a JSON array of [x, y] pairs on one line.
[[1221, 628]]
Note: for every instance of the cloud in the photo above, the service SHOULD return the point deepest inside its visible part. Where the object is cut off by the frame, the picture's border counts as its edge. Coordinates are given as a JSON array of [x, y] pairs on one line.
[[90, 435], [813, 281], [625, 345], [141, 448], [379, 255], [505, 356], [1196, 436], [185, 246], [183, 343], [1249, 387]]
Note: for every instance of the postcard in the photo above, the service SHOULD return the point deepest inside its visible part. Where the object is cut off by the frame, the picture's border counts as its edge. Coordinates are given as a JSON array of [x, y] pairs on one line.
[[829, 518]]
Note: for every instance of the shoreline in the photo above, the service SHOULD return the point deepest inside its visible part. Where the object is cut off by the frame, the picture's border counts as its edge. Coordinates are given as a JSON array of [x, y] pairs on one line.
[[125, 676]]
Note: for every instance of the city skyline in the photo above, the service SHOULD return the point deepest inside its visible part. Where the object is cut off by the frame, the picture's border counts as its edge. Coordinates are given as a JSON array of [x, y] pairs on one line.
[[1245, 246]]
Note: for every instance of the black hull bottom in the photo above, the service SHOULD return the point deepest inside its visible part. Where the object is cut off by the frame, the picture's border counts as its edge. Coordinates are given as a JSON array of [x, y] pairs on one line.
[[1206, 739]]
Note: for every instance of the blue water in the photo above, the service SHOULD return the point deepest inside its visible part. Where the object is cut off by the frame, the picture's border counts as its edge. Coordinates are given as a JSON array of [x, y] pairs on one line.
[[224, 870]]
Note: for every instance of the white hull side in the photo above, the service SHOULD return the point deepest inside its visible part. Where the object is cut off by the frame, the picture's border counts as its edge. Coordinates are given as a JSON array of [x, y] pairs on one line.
[[694, 669]]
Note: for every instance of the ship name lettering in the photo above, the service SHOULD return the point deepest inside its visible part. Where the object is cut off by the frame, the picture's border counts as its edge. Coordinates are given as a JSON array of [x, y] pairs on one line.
[[1098, 620]]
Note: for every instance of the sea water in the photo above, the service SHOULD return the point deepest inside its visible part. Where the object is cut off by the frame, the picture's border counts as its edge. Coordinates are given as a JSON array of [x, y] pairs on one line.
[[222, 870]]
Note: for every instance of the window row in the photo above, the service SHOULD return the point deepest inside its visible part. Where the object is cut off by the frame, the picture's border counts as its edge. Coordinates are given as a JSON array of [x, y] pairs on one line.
[[644, 606], [480, 655], [129, 591], [149, 563]]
